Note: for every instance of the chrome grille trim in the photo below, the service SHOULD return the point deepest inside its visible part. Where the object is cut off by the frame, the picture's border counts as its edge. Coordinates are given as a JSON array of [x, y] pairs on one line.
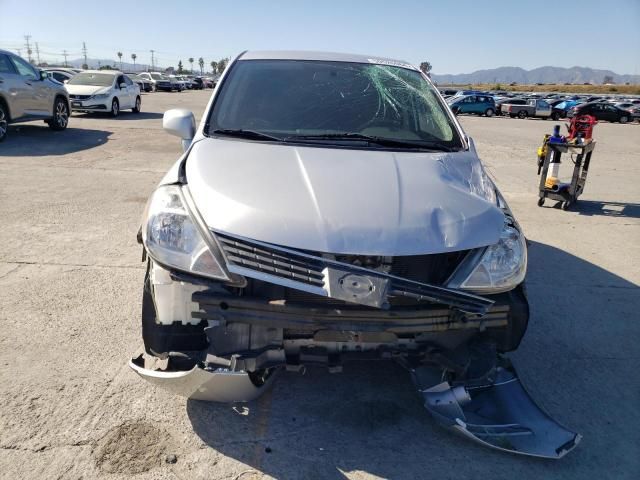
[[302, 271]]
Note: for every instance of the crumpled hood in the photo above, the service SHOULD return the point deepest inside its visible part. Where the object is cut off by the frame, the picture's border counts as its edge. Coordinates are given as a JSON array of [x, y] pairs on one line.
[[85, 89], [344, 200]]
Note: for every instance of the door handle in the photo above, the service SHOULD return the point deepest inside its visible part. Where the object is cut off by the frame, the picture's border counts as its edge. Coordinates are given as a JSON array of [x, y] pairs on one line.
[[28, 83]]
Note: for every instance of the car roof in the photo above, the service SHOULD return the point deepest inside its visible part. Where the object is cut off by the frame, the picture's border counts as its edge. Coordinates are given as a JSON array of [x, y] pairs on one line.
[[322, 56], [102, 71]]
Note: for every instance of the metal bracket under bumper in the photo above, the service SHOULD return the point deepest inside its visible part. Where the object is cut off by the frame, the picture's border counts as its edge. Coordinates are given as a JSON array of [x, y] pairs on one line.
[[499, 414], [220, 385]]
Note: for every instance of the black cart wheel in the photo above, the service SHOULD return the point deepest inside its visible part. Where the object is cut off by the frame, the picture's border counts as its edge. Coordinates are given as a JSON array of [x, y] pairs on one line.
[[565, 205], [541, 201]]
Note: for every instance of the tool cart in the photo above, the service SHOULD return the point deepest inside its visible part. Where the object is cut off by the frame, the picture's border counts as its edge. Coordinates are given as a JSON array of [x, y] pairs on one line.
[[550, 187]]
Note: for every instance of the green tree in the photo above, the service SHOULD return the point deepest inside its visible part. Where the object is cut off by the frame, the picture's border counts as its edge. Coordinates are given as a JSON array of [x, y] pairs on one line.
[[426, 67], [180, 66], [191, 62], [120, 57], [133, 57], [201, 63], [222, 64], [214, 66]]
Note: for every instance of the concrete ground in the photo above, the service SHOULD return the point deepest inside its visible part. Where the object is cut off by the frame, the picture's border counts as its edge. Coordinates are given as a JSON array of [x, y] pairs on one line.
[[70, 291]]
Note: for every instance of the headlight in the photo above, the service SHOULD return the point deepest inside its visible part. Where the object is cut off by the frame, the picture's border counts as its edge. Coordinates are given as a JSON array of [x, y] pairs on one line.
[[498, 268], [101, 96], [173, 237]]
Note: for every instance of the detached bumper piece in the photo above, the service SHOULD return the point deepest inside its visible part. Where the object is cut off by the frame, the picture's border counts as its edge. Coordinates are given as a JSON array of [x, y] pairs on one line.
[[217, 385], [498, 413]]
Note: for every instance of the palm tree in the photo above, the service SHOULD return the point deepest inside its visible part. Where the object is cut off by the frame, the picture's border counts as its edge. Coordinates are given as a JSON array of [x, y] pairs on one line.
[[214, 66], [426, 68], [201, 63], [120, 57], [191, 62], [133, 57]]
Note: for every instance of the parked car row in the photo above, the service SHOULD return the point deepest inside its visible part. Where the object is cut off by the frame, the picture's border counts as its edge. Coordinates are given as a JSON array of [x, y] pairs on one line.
[[552, 106]]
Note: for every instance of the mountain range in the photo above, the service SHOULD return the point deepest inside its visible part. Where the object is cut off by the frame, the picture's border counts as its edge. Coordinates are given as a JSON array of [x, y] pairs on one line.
[[576, 75]]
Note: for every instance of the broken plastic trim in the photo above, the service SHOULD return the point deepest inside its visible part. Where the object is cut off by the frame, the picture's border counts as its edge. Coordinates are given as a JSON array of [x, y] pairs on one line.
[[215, 385], [499, 414]]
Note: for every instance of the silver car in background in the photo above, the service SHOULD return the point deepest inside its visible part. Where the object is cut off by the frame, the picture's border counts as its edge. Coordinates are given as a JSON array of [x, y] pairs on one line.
[[330, 207], [28, 94]]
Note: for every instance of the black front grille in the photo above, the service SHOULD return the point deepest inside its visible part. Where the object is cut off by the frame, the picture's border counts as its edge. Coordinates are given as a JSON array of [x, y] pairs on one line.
[[79, 97], [263, 259]]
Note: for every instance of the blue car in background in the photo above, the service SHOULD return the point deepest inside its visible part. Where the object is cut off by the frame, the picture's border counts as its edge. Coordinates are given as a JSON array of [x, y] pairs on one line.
[[480, 104], [560, 110]]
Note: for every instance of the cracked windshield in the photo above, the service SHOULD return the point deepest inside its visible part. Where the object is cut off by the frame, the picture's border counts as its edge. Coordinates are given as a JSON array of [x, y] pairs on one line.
[[328, 100]]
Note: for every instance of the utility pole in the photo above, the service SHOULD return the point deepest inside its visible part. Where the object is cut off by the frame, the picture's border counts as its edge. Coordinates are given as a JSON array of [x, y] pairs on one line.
[[37, 54], [152, 60], [64, 52], [84, 53], [27, 38]]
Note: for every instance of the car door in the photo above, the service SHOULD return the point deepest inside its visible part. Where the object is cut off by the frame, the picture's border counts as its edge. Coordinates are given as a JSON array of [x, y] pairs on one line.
[[543, 109], [466, 104], [40, 101], [123, 93], [610, 113], [13, 89], [133, 90]]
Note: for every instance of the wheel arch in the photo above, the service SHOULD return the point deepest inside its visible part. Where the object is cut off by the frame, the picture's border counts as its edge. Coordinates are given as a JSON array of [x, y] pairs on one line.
[[5, 104]]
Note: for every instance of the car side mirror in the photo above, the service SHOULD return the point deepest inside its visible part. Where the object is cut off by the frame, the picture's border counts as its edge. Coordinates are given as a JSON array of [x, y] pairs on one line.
[[181, 123], [43, 75]]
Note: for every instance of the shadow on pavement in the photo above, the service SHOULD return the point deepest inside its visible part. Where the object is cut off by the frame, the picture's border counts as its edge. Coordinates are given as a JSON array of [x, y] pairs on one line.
[[369, 419], [36, 141], [124, 115], [607, 209]]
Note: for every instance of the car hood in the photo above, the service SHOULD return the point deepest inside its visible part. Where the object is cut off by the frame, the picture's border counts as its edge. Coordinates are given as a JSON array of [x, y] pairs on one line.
[[346, 201], [86, 89]]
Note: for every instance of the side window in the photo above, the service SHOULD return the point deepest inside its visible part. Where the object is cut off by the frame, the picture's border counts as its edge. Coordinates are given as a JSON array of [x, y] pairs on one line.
[[58, 76], [5, 65], [120, 80], [24, 68], [128, 81]]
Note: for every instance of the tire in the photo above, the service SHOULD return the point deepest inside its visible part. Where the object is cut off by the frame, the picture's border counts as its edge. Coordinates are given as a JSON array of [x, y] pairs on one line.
[[489, 112], [522, 114], [541, 201], [555, 116], [512, 115], [115, 107], [4, 122], [565, 205], [138, 106], [60, 119], [623, 119]]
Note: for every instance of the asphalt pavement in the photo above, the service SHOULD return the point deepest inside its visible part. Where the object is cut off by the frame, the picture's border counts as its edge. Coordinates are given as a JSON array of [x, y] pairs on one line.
[[70, 295]]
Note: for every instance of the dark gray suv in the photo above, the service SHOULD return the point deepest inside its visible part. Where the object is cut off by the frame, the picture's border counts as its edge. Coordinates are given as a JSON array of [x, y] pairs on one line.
[[28, 94]]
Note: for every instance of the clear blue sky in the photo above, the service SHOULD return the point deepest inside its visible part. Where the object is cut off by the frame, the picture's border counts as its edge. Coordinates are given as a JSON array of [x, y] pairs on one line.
[[455, 36]]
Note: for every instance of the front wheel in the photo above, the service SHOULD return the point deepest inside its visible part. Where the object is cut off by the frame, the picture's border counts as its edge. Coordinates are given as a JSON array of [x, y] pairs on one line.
[[4, 123], [489, 112], [555, 116], [623, 119], [138, 106], [60, 118], [522, 114], [115, 107]]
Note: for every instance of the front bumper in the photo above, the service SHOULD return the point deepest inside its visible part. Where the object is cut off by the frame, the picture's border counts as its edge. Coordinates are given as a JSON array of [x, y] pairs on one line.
[[88, 105]]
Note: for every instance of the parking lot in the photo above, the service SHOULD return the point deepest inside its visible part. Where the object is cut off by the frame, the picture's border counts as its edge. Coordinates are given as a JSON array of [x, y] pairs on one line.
[[70, 290]]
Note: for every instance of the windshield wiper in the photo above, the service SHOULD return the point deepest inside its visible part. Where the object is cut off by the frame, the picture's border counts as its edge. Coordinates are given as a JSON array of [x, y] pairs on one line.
[[384, 141], [249, 134]]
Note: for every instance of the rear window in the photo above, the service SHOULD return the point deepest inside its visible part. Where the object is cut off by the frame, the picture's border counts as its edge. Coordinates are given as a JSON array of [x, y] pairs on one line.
[[292, 97]]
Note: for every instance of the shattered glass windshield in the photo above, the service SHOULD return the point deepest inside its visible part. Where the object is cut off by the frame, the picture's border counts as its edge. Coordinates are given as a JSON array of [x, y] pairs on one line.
[[296, 99]]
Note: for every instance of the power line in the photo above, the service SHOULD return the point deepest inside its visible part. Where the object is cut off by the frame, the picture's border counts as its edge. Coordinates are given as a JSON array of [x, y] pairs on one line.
[[27, 38]]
